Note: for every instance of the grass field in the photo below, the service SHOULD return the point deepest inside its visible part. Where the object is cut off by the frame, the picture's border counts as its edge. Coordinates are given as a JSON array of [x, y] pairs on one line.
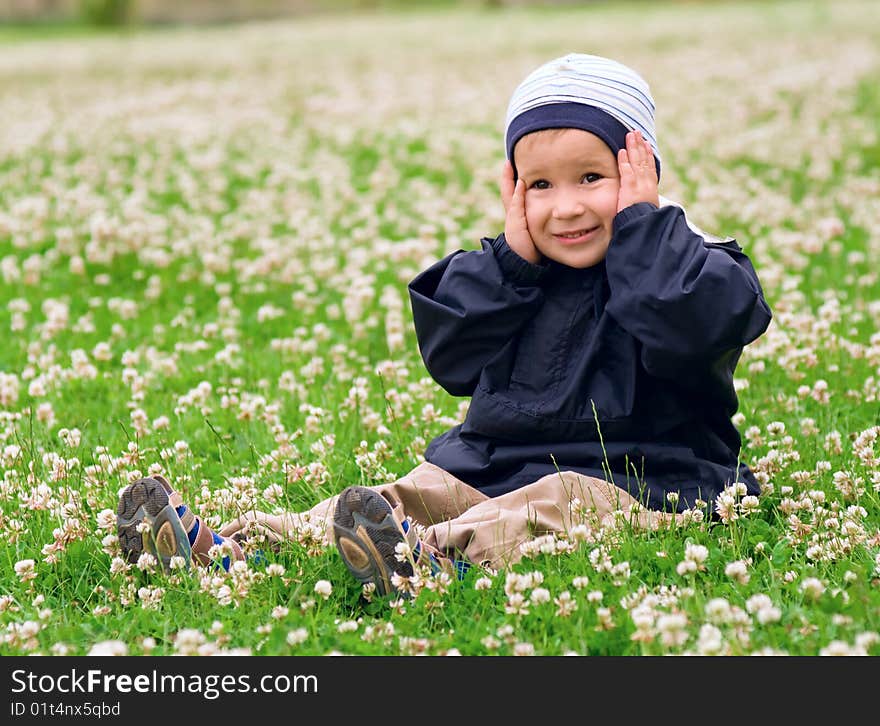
[[205, 241]]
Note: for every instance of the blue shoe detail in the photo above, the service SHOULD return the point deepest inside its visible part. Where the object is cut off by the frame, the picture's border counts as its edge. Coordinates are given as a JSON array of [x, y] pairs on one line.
[[217, 539], [432, 560]]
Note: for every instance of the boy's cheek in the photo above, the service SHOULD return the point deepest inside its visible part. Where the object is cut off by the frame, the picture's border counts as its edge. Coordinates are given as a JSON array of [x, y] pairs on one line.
[[534, 219], [614, 189], [539, 245]]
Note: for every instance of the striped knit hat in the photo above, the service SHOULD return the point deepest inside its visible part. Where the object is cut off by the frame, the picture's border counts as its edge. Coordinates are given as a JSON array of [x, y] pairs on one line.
[[585, 92]]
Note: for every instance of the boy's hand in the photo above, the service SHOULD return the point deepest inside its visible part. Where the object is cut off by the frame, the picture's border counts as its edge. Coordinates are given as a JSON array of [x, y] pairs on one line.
[[516, 229], [638, 174]]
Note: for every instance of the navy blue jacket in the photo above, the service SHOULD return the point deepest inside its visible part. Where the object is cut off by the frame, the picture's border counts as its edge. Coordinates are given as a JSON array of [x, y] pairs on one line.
[[622, 371]]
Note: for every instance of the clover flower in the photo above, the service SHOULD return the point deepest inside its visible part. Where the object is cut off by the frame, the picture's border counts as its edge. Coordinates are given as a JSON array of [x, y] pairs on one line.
[[25, 571], [109, 647], [297, 636], [739, 571], [323, 588]]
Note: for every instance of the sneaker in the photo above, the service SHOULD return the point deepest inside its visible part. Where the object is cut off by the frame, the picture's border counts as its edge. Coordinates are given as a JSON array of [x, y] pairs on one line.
[[152, 518], [367, 534], [368, 530]]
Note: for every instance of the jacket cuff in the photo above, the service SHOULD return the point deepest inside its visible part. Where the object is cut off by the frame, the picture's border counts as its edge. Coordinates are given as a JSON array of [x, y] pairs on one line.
[[633, 211], [514, 267]]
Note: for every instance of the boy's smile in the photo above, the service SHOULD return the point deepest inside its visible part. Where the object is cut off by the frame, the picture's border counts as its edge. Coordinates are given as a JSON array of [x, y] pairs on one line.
[[572, 185]]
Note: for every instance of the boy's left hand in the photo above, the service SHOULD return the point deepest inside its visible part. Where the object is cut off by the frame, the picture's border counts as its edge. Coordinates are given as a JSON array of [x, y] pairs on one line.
[[638, 174]]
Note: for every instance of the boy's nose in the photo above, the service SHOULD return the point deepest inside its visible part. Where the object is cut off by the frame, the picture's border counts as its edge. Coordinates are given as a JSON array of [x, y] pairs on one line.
[[568, 204]]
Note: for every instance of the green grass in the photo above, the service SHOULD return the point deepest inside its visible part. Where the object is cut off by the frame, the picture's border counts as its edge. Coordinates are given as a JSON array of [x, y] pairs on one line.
[[166, 193]]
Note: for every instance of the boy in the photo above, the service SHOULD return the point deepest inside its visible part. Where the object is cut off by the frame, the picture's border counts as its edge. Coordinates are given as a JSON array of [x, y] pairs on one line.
[[597, 338]]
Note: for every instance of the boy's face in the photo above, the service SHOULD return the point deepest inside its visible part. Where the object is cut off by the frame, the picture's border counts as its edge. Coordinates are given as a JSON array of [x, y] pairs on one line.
[[572, 185]]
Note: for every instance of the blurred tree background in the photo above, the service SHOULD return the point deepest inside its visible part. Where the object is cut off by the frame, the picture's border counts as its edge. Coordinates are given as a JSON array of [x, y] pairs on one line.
[[119, 12]]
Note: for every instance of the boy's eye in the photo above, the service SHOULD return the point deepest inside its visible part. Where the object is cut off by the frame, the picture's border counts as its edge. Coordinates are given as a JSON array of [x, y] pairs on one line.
[[540, 184], [589, 178]]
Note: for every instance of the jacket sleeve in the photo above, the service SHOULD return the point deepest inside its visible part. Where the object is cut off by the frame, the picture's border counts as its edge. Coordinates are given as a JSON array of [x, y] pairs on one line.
[[692, 304], [468, 306]]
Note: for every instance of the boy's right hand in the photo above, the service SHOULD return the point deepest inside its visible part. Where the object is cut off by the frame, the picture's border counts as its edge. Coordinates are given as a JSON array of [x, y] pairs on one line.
[[516, 229]]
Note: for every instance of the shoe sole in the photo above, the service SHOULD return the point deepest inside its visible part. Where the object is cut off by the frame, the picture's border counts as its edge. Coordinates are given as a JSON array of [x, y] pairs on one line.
[[366, 535], [146, 501]]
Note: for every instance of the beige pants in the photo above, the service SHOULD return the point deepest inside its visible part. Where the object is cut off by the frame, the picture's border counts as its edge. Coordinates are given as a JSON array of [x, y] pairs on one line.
[[462, 522]]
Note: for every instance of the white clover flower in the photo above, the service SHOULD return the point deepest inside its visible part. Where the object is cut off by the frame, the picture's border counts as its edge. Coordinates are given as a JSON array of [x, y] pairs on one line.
[[725, 506], [150, 597], [489, 642], [106, 519], [109, 647], [696, 553], [523, 649], [758, 602], [273, 493], [643, 618], [547, 544], [188, 641], [565, 604], [298, 636], [177, 562], [71, 437], [25, 570], [867, 640], [323, 588], [606, 621], [216, 553], [739, 571], [710, 640], [402, 551], [812, 587], [686, 567], [540, 595], [516, 604], [109, 543], [839, 648], [776, 428], [767, 615], [146, 562], [749, 504], [671, 627], [223, 595], [119, 566], [718, 610]]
